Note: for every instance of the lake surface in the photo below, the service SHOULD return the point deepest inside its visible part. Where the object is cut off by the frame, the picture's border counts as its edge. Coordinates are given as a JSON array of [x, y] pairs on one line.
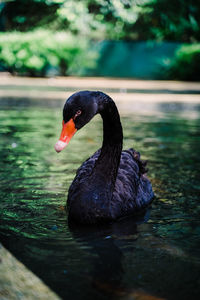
[[152, 257]]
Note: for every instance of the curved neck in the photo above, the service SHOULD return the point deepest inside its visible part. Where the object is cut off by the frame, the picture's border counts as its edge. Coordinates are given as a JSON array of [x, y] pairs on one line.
[[109, 158]]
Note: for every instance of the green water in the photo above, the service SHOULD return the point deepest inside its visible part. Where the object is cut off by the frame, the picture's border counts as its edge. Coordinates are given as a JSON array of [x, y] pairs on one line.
[[158, 254]]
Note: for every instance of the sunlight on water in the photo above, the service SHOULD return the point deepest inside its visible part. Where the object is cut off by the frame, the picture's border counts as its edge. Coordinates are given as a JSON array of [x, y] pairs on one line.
[[126, 259]]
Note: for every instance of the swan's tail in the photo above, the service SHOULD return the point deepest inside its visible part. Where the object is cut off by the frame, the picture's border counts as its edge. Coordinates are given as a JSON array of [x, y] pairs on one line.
[[141, 163]]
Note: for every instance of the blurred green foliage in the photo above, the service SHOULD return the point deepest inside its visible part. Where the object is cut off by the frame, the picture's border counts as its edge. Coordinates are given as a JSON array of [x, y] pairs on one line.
[[171, 20], [57, 34], [39, 52], [108, 19], [186, 64]]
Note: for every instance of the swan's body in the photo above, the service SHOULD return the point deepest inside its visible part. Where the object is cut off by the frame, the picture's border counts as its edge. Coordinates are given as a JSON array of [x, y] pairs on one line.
[[111, 183]]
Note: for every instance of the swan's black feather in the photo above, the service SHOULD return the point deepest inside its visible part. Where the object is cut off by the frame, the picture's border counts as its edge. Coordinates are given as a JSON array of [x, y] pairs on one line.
[[132, 191]]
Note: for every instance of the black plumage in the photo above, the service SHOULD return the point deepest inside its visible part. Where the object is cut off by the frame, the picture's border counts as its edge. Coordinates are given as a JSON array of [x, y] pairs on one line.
[[112, 183]]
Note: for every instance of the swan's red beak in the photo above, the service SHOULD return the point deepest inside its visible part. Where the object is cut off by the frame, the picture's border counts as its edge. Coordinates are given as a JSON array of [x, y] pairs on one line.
[[68, 130]]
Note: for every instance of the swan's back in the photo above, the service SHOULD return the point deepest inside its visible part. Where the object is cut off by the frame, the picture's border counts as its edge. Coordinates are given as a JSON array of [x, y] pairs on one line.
[[132, 190]]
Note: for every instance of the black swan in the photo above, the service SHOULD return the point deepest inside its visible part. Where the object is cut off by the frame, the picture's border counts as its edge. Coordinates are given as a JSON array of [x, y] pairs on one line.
[[110, 184]]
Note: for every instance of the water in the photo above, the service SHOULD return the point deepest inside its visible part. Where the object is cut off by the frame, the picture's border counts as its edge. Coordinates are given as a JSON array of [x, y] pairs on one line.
[[155, 256]]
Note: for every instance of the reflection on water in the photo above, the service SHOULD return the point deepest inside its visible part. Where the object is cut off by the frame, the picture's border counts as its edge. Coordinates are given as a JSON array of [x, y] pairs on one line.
[[132, 259]]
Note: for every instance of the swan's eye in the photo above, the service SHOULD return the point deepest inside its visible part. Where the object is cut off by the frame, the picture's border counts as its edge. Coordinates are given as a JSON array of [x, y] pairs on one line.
[[78, 113]]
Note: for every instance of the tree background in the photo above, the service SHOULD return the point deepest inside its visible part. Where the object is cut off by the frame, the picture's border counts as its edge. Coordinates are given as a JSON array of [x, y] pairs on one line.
[[114, 20]]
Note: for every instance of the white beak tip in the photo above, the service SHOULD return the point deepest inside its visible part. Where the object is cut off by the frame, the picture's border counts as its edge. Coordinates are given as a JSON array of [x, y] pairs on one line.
[[59, 146]]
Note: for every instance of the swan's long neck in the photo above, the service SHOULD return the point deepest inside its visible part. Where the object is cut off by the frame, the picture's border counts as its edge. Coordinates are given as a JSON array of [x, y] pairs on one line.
[[108, 161]]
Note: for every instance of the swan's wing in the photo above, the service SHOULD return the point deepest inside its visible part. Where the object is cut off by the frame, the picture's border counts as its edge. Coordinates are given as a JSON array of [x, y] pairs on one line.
[[133, 190]]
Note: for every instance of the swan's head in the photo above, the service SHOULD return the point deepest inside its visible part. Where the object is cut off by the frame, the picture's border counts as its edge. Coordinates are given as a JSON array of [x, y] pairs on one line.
[[78, 110]]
